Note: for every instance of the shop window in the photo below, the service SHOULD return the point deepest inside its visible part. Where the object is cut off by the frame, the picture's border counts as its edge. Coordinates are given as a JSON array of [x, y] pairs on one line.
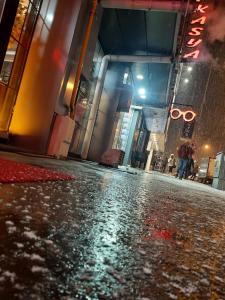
[[30, 20], [15, 57], [9, 60], [20, 18], [17, 67], [21, 35]]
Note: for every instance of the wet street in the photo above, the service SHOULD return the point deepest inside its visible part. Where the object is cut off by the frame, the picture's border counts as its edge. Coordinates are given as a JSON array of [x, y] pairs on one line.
[[110, 235]]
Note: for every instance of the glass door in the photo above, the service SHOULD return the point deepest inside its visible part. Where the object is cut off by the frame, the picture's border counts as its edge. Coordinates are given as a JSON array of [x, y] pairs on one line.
[[14, 60]]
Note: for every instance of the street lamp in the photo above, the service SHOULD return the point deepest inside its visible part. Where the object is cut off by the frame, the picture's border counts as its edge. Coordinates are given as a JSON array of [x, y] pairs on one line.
[[141, 91], [140, 77]]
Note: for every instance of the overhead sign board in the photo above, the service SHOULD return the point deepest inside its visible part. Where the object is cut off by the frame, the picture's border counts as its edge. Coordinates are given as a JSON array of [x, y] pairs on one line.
[[188, 115], [196, 29]]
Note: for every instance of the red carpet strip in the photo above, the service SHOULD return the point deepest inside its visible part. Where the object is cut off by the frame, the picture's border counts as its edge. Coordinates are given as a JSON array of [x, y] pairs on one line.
[[14, 172]]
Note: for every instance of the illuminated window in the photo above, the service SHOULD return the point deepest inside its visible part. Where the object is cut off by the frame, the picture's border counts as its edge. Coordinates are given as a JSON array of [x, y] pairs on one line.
[[15, 57]]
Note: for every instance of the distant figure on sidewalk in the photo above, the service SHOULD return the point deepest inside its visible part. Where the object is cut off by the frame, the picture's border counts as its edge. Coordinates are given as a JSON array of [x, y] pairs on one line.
[[164, 163], [171, 163], [195, 171], [184, 153]]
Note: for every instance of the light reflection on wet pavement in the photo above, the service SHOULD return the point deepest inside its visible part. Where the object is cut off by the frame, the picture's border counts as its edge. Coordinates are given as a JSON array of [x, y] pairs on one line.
[[110, 235]]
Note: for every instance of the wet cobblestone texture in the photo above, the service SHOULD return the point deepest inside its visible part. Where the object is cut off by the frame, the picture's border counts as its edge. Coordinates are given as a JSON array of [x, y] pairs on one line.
[[111, 235]]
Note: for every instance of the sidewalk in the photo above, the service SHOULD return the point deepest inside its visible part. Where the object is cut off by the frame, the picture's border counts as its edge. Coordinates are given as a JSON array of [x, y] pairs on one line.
[[110, 235]]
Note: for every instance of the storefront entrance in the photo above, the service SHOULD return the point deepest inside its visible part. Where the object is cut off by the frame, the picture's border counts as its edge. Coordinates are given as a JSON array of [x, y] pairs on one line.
[[18, 19]]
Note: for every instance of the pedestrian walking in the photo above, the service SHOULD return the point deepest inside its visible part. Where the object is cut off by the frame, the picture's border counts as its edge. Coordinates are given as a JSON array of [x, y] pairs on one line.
[[184, 152], [190, 163], [190, 166], [171, 163]]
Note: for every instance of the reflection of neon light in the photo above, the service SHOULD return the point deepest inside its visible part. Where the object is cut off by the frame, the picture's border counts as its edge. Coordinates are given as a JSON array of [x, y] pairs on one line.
[[163, 234], [176, 113]]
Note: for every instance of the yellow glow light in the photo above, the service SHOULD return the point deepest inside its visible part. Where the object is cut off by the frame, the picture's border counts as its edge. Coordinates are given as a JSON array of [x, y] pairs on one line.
[[70, 85]]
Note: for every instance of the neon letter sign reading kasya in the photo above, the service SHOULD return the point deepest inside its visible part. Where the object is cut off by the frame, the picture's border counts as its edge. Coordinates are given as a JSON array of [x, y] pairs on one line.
[[196, 31]]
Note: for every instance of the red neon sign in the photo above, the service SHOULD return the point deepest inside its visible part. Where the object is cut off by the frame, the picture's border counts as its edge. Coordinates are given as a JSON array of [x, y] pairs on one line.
[[196, 30], [188, 115], [194, 42]]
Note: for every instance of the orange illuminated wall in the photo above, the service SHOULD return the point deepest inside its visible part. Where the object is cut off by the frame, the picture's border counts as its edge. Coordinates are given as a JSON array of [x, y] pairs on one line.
[[43, 75]]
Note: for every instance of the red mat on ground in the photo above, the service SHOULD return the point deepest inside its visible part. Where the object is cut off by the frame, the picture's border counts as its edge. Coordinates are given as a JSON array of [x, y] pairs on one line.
[[13, 172]]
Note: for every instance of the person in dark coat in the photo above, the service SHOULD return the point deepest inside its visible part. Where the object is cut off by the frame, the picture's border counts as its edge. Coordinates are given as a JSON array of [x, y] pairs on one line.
[[190, 167], [194, 171], [184, 153]]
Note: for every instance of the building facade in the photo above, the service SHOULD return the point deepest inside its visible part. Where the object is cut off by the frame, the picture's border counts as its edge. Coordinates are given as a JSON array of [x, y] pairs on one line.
[[39, 61]]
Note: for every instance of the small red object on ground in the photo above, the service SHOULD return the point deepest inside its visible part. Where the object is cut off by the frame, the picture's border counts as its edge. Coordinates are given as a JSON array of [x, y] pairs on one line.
[[14, 172]]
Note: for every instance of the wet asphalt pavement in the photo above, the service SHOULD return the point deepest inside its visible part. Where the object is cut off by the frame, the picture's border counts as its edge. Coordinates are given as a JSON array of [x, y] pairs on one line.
[[111, 235]]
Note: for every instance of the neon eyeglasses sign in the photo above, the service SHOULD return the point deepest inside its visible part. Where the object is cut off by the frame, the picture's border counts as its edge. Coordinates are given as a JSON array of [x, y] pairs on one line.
[[196, 31], [188, 115]]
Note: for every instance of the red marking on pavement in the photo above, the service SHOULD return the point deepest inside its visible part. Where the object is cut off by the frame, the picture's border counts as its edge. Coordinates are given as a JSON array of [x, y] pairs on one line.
[[163, 234], [14, 172], [160, 234]]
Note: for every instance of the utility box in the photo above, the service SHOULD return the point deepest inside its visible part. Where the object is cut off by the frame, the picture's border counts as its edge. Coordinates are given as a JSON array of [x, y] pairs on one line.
[[206, 170], [61, 136], [219, 172]]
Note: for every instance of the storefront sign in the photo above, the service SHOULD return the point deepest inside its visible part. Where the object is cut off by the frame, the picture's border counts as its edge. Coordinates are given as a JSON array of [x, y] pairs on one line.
[[187, 130], [188, 115], [196, 30]]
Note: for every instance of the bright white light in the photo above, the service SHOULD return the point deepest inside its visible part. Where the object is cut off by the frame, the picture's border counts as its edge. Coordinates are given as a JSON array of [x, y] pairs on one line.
[[141, 91], [49, 17], [140, 77], [136, 107], [189, 69], [142, 96], [186, 80], [125, 77]]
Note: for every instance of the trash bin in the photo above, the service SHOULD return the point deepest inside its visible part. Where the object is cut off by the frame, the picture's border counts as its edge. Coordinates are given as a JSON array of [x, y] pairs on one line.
[[219, 172]]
